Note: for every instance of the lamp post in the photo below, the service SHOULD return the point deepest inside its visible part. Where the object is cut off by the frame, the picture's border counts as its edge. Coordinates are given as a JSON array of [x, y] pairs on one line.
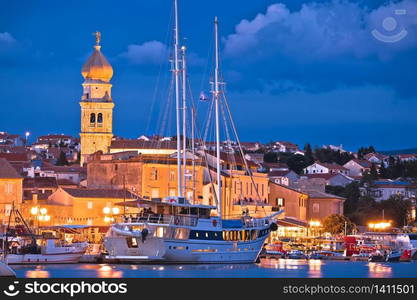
[[41, 214], [27, 133], [314, 225], [110, 213]]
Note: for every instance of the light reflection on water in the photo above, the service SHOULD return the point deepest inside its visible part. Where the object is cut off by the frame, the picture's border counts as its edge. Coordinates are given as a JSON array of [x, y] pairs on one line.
[[379, 270], [38, 272], [267, 268]]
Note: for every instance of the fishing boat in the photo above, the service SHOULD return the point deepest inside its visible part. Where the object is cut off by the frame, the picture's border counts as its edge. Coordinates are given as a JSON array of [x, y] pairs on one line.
[[187, 232], [21, 246]]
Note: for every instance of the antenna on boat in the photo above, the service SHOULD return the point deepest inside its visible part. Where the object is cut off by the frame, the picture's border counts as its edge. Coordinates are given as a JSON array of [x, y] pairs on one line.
[[216, 94], [176, 71]]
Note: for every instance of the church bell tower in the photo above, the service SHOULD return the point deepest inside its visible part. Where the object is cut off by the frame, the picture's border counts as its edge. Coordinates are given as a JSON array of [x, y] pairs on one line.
[[96, 104]]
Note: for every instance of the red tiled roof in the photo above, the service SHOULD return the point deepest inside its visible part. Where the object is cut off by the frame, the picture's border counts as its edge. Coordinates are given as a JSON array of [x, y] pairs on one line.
[[233, 158], [278, 173], [377, 155], [325, 176], [99, 193], [321, 195], [401, 156], [142, 144], [7, 171], [362, 162], [15, 157], [332, 166], [40, 182]]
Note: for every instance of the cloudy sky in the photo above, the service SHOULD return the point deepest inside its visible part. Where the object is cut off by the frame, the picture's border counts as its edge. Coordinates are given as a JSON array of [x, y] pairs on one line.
[[323, 72]]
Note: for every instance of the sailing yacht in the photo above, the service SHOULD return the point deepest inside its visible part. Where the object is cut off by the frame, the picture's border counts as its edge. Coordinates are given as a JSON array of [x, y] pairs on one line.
[[186, 232]]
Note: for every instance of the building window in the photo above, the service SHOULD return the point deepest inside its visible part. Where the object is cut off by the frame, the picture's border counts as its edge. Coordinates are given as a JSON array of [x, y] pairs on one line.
[[154, 174], [280, 201], [90, 204], [100, 118], [92, 118], [9, 188], [172, 176], [316, 208]]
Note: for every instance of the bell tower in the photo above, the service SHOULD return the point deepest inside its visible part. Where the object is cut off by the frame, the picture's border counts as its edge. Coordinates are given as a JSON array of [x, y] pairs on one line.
[[96, 104]]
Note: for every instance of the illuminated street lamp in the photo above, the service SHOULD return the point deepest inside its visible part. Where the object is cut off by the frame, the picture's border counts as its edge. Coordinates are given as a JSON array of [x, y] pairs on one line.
[[109, 213], [314, 225], [27, 133], [380, 225], [41, 214]]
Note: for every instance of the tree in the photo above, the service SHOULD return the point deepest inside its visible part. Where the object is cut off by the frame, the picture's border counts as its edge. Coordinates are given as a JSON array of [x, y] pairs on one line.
[[336, 224], [308, 154], [396, 208], [297, 163], [270, 157], [374, 172], [62, 160]]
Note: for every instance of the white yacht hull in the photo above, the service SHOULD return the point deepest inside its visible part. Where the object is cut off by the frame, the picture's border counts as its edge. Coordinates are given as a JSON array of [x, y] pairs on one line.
[[29, 259], [216, 252]]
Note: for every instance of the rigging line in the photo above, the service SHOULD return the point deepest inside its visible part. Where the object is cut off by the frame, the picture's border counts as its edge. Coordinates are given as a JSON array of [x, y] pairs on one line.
[[207, 165], [241, 152], [208, 120], [232, 155]]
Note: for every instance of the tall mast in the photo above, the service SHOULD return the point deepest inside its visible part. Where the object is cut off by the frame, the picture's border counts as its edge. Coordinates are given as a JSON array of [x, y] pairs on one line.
[[177, 97], [216, 99], [193, 149], [184, 117]]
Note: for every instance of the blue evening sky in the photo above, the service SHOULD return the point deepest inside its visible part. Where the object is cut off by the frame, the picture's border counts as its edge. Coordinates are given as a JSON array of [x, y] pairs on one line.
[[303, 71]]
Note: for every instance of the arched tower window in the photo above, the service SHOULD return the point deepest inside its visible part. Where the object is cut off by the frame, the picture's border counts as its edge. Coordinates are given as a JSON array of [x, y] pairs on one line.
[[100, 118], [92, 118]]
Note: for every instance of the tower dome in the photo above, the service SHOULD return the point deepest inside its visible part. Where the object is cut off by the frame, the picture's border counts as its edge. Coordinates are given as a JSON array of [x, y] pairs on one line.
[[97, 67]]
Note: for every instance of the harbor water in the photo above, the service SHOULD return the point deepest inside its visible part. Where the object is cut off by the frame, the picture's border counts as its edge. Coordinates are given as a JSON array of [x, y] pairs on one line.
[[267, 268]]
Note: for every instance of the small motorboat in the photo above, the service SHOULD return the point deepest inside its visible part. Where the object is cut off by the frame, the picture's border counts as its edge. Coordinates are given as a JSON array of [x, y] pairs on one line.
[[377, 256], [393, 256], [296, 254], [6, 271]]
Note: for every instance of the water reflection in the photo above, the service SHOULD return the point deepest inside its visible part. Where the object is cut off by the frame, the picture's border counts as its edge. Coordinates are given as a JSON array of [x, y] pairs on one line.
[[379, 270], [314, 268], [107, 271], [282, 264], [39, 272]]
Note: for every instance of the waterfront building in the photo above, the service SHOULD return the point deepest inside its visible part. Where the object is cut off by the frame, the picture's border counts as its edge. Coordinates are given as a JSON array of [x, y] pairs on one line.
[[84, 206], [142, 146], [96, 104], [10, 190], [322, 205]]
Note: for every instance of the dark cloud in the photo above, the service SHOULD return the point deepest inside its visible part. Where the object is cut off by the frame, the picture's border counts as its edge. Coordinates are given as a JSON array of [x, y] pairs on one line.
[[326, 45]]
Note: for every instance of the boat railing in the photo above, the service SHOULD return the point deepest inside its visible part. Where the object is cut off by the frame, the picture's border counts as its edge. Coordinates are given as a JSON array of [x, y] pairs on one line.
[[164, 219], [252, 222]]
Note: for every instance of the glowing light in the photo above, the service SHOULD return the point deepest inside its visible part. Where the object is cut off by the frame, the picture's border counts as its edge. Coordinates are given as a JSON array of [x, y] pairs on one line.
[[34, 210], [43, 211], [380, 225], [106, 210], [115, 210], [315, 224]]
